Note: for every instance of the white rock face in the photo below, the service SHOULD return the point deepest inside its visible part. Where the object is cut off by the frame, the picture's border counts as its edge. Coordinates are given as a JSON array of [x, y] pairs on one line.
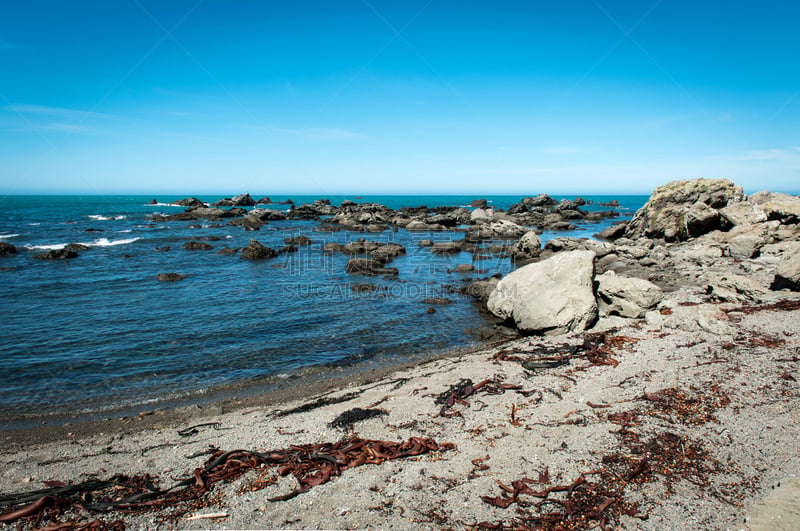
[[552, 297], [625, 296], [527, 247]]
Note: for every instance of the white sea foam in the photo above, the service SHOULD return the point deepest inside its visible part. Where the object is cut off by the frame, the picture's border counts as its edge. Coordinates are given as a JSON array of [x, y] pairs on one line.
[[125, 231], [105, 242], [102, 242], [7, 236], [34, 224], [98, 217], [164, 204]]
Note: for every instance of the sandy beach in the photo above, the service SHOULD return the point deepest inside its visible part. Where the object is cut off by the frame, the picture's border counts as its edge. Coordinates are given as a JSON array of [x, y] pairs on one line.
[[713, 417]]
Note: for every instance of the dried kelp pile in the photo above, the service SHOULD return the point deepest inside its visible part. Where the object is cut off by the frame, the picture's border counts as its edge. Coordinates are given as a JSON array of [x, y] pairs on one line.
[[598, 497], [311, 465], [597, 349], [458, 393]]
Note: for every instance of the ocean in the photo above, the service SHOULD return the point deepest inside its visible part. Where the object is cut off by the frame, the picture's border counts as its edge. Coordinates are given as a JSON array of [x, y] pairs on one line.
[[99, 336]]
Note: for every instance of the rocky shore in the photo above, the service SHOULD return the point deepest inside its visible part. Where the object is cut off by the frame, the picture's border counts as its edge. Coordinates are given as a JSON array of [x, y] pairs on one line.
[[652, 385]]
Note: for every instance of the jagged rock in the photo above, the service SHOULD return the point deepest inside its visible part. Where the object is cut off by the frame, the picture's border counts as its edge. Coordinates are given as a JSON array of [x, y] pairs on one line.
[[228, 250], [297, 240], [332, 247], [189, 202], [169, 277], [502, 229], [224, 202], [527, 247], [700, 219], [56, 254], [417, 225], [244, 200], [197, 246], [152, 202], [670, 208], [788, 274], [551, 297], [776, 206], [361, 246], [744, 213], [626, 296], [267, 214], [481, 215], [256, 251], [478, 203], [731, 287], [264, 201], [77, 247], [369, 266], [387, 252]]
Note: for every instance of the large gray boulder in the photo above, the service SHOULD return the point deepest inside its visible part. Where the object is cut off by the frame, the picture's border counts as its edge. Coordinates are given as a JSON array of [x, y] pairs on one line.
[[552, 297], [788, 273], [497, 230], [626, 296], [369, 266], [680, 210]]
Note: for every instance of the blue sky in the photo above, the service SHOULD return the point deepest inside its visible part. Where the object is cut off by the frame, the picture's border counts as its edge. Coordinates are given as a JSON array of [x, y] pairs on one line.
[[418, 96]]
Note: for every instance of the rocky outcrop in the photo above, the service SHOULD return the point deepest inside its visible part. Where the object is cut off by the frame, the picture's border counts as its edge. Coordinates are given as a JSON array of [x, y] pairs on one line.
[[680, 210], [776, 206], [7, 249], [787, 275], [369, 266], [551, 297], [189, 202], [256, 251], [497, 230], [613, 232], [482, 289], [625, 296]]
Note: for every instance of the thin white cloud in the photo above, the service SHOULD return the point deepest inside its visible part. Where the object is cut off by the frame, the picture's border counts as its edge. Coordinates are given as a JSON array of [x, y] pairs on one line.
[[318, 133], [770, 154], [59, 112]]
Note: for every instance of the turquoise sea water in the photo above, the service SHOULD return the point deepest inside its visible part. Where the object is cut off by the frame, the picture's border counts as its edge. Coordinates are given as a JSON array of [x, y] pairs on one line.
[[98, 333]]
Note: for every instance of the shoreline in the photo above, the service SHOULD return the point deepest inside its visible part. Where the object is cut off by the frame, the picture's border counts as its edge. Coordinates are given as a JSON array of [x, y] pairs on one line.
[[225, 399]]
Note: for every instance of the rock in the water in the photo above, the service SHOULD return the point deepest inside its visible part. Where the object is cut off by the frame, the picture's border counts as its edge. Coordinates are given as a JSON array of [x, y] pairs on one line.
[[501, 229], [387, 252], [169, 277], [57, 254], [446, 247], [244, 200], [7, 248], [788, 274], [369, 266], [297, 240], [481, 289], [197, 246], [436, 300], [555, 296], [527, 247], [464, 268], [478, 203], [626, 296], [673, 213], [256, 251], [363, 288], [189, 202]]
